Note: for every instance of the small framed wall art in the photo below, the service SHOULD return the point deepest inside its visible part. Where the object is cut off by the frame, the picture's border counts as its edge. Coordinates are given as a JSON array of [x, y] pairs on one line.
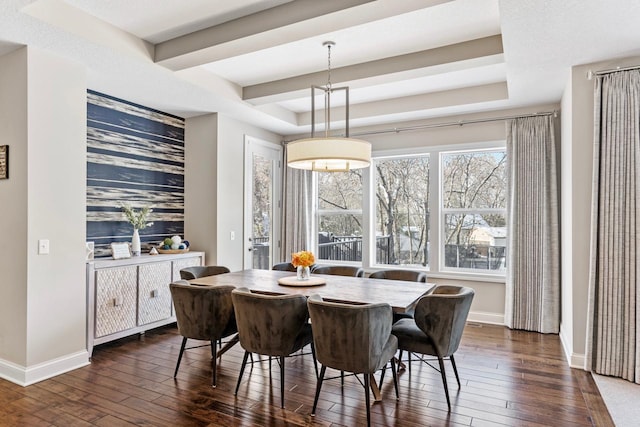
[[4, 161], [120, 250]]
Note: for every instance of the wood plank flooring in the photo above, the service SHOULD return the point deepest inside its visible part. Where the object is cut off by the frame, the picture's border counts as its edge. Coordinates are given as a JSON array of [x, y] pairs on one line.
[[508, 377]]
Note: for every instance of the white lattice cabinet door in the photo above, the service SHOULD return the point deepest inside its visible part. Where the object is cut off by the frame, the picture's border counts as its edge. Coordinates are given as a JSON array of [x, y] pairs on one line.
[[179, 264], [154, 297], [116, 295]]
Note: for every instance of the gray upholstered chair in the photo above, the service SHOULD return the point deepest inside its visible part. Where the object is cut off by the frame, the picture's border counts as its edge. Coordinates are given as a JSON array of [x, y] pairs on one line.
[[284, 266], [271, 325], [437, 327], [352, 338], [190, 273], [203, 313], [338, 270], [195, 272], [408, 275]]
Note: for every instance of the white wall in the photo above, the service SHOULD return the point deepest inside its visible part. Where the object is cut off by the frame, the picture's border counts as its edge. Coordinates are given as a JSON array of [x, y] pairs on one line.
[[231, 135], [13, 210], [47, 294], [566, 222], [577, 198], [214, 186], [200, 181]]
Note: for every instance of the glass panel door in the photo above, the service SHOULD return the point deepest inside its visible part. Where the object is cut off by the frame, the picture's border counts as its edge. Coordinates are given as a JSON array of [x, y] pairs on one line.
[[262, 207]]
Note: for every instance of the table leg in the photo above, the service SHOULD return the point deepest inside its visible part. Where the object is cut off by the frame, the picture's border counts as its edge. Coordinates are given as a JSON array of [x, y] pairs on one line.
[[233, 341], [374, 388]]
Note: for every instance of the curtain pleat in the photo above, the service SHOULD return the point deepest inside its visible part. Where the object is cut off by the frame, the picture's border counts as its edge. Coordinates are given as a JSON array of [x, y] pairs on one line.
[[297, 191], [533, 278], [613, 322]]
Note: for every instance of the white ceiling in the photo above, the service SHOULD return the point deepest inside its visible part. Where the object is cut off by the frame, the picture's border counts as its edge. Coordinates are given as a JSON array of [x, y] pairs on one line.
[[255, 60]]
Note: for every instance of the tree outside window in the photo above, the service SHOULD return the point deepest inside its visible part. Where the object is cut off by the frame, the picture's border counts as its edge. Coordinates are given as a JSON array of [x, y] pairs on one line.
[[402, 211], [339, 214], [473, 207]]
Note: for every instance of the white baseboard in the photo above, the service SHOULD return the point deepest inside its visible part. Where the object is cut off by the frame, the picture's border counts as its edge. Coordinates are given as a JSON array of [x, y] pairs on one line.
[[575, 360], [485, 317], [25, 376]]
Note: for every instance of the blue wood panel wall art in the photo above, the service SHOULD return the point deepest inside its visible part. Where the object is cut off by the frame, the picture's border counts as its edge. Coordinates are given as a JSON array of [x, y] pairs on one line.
[[135, 156]]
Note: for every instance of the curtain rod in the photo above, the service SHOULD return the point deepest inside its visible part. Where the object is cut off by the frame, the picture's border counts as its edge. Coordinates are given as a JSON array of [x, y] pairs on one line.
[[458, 123], [590, 73], [554, 113]]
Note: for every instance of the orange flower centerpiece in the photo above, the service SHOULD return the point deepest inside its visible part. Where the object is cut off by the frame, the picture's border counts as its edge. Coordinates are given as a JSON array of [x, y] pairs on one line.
[[302, 261]]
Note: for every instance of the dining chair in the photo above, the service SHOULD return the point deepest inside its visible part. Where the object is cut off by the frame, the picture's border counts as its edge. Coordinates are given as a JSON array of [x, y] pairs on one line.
[[338, 270], [437, 327], [203, 313], [406, 275], [271, 325], [352, 338], [284, 266], [195, 272]]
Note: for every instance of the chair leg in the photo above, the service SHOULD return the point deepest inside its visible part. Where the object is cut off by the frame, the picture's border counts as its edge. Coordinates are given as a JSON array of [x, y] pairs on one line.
[[395, 377], [342, 379], [315, 361], [366, 397], [384, 371], [184, 343], [455, 369], [244, 364], [444, 381], [318, 387], [214, 364], [282, 382]]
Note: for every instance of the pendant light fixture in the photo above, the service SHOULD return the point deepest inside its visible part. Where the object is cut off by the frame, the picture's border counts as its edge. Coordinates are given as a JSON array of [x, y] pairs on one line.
[[328, 153]]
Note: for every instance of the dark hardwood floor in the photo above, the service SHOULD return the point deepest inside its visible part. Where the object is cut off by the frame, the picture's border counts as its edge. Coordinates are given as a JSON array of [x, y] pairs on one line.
[[508, 378]]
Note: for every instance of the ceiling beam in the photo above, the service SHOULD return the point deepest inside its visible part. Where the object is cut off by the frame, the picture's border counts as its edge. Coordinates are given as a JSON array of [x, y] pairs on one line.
[[296, 20], [417, 64], [428, 101]]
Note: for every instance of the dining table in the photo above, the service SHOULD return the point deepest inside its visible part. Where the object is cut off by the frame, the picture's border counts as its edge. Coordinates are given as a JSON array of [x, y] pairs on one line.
[[399, 294]]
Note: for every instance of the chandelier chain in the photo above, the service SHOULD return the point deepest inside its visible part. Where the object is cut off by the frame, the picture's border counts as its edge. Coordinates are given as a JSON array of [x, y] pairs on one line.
[[329, 66]]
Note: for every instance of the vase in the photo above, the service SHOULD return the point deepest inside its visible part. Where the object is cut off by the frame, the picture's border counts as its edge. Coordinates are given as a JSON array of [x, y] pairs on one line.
[[303, 273], [135, 243]]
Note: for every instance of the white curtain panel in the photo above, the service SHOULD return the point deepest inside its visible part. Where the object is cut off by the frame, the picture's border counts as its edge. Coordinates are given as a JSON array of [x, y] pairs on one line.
[[297, 220], [533, 273], [613, 330]]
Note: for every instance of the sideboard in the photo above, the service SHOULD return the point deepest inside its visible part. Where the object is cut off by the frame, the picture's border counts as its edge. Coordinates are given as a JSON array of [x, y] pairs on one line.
[[129, 296]]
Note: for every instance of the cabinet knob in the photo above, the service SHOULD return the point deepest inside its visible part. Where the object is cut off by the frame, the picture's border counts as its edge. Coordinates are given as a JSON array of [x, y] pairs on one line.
[[117, 301], [154, 293]]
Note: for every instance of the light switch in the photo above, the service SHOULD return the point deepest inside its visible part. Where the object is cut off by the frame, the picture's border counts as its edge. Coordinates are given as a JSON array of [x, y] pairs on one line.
[[43, 246], [232, 235]]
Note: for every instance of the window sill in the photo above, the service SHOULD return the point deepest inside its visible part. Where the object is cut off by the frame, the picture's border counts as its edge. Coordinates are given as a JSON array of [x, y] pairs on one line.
[[489, 278]]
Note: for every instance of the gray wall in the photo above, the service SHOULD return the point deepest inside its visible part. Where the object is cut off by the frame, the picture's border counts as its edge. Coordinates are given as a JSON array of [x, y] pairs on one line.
[[43, 299], [576, 178]]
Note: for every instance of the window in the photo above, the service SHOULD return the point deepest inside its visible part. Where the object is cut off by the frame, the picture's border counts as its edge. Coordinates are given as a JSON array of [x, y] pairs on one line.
[[339, 215], [402, 211], [473, 210], [439, 210]]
